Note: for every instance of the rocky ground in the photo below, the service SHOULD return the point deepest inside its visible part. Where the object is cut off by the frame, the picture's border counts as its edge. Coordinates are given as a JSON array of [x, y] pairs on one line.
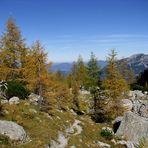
[[23, 125]]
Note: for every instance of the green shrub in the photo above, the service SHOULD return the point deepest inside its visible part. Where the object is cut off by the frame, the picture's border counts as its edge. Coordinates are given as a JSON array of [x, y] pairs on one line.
[[17, 89], [139, 87], [107, 134]]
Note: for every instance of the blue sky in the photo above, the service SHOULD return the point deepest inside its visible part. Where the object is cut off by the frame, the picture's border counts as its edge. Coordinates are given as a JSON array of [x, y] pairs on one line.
[[68, 28]]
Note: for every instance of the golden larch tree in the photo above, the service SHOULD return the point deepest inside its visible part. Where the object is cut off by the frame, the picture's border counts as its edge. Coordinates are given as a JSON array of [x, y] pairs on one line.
[[13, 50], [35, 71], [115, 86]]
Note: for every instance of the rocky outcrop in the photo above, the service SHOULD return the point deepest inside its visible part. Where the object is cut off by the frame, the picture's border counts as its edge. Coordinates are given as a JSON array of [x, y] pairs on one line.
[[13, 131], [75, 127], [63, 139], [140, 107], [137, 94], [133, 128], [137, 103], [61, 142], [14, 100], [35, 99]]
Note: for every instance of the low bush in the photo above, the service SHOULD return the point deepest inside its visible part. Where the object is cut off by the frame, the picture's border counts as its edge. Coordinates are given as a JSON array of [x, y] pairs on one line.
[[17, 89], [107, 134], [139, 87]]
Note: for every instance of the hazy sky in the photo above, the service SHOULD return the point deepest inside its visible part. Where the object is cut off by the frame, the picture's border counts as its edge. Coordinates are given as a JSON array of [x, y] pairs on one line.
[[68, 28]]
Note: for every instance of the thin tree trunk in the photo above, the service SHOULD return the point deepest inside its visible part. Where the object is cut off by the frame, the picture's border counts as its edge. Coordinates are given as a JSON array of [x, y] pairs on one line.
[[40, 85]]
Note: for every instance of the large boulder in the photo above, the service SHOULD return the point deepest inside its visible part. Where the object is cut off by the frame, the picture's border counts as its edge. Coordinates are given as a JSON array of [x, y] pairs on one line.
[[35, 99], [13, 131], [140, 107], [116, 123], [14, 100], [133, 128]]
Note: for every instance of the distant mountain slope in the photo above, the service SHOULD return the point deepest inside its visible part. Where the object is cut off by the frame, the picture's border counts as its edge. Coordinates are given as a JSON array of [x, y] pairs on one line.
[[63, 67], [66, 67], [138, 62]]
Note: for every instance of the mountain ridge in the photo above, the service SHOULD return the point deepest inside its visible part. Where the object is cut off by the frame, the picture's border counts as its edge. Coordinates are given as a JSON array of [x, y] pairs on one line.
[[138, 62]]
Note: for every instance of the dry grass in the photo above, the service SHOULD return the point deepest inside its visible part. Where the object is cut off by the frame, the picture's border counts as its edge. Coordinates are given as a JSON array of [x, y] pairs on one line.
[[42, 128]]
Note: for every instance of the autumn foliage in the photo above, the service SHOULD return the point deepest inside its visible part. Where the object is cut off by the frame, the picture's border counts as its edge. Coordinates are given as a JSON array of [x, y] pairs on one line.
[[29, 66], [115, 85]]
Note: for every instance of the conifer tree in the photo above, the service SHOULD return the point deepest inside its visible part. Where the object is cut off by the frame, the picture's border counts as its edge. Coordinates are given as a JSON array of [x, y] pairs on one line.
[[115, 86], [13, 52], [141, 82], [99, 113], [143, 78], [81, 72], [73, 76], [69, 80], [75, 92], [36, 71], [62, 95], [77, 80], [29, 65], [93, 72], [74, 83]]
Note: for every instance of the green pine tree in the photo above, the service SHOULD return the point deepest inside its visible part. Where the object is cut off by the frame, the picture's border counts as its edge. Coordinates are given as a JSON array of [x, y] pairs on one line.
[[93, 72]]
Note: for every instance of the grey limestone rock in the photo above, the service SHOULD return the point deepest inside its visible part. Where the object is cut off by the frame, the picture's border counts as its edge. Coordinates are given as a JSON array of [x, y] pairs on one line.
[[14, 100], [133, 127], [13, 131]]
